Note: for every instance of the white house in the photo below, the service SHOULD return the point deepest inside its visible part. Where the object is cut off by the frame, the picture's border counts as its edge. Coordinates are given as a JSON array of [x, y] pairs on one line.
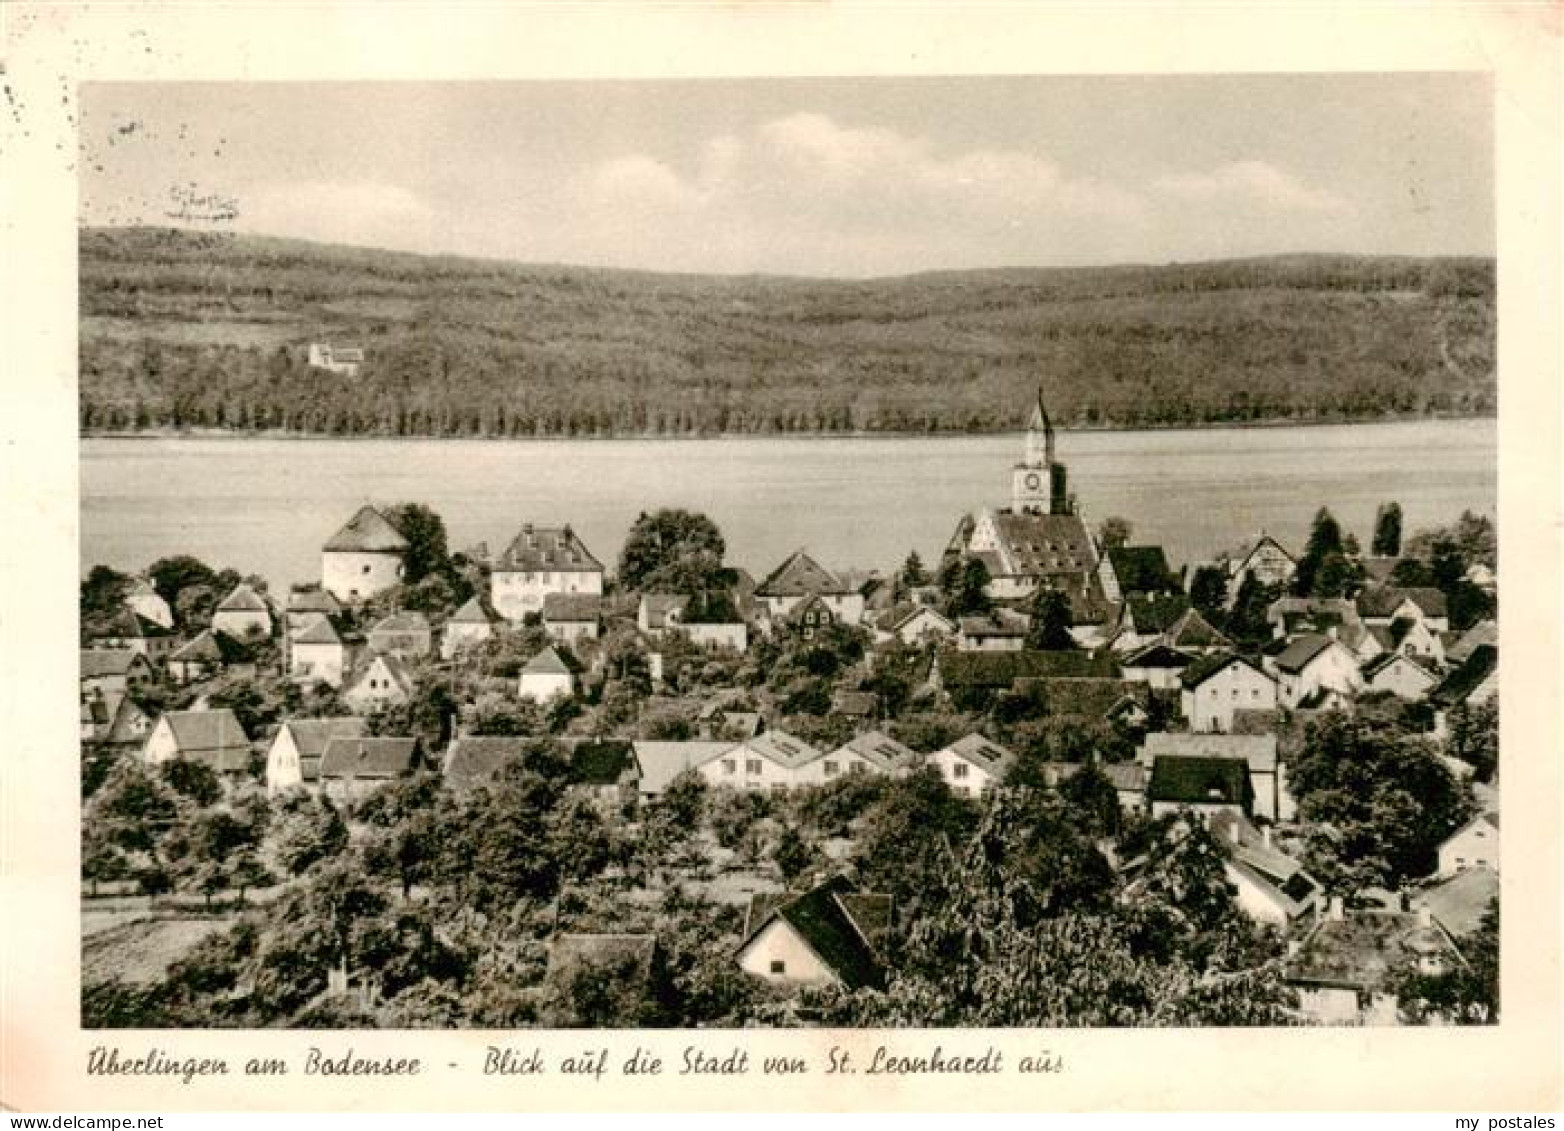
[[316, 654], [1475, 846], [352, 767], [1314, 665], [114, 671], [293, 758], [828, 936], [971, 764], [1271, 797], [1267, 561], [243, 613], [213, 738], [800, 578], [569, 617], [869, 753], [363, 558], [546, 676], [383, 682], [1386, 604], [1216, 687], [470, 626], [918, 625], [541, 560], [774, 761], [659, 612], [1401, 675], [1268, 885], [143, 600], [1002, 630], [344, 361]]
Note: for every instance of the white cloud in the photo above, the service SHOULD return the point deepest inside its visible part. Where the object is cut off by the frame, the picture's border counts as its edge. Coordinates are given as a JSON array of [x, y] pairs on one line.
[[356, 212], [1249, 184]]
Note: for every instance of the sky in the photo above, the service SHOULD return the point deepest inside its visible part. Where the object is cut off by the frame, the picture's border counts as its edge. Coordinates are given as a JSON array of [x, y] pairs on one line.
[[834, 177]]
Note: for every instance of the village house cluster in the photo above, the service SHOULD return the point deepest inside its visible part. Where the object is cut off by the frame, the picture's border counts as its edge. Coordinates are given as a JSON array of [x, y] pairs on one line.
[[1215, 725]]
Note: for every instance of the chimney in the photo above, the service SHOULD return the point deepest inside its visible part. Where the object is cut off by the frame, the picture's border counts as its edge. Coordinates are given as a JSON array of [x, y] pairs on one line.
[[1233, 832], [1265, 835], [1338, 909], [1425, 915]]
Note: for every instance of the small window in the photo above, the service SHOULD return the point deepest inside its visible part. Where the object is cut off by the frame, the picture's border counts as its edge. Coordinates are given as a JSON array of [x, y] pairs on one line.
[[778, 966], [960, 769], [752, 765], [831, 769], [729, 766]]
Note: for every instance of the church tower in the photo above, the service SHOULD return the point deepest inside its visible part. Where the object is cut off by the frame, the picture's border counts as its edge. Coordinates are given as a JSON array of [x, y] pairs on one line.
[[1039, 483]]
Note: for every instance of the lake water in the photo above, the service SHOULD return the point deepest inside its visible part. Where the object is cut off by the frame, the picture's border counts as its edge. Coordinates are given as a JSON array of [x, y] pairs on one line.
[[266, 505]]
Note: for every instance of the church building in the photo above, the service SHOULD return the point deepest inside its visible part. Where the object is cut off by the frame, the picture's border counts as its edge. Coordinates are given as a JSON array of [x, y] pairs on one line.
[[1040, 539]]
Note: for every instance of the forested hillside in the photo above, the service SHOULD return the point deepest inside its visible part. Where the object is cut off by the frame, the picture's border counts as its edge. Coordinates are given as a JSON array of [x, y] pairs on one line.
[[182, 329]]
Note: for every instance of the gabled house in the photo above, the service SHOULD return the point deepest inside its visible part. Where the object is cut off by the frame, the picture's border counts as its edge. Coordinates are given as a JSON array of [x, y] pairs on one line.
[[383, 681], [1146, 618], [294, 756], [1311, 665], [548, 675], [213, 738], [812, 614], [1129, 782], [832, 935], [363, 558], [1267, 561], [471, 625], [1192, 632], [1258, 754], [1118, 702], [1473, 684], [405, 635], [918, 623], [1476, 845], [474, 760], [114, 671], [1383, 605], [316, 654], [1400, 675], [143, 599], [1483, 632], [1001, 630], [604, 771], [1269, 885], [1214, 688], [1205, 786], [800, 578], [869, 753], [307, 606], [659, 763], [1323, 616], [243, 614], [351, 768], [1458, 904], [774, 761], [1342, 970], [129, 725], [130, 631], [659, 612], [971, 764], [1127, 571], [1159, 666], [541, 560], [204, 656], [569, 617]]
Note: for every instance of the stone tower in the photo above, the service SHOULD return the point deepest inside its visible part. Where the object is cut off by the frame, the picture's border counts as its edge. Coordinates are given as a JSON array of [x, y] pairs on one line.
[[1039, 483]]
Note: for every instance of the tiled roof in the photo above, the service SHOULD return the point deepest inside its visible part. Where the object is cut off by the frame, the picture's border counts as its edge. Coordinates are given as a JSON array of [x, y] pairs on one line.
[[824, 918], [1465, 679], [410, 622], [1258, 751], [317, 632], [575, 608], [310, 736], [782, 748], [1302, 652], [659, 605], [361, 757], [1378, 664], [661, 762], [243, 599], [214, 737], [1483, 632], [1127, 776], [475, 611], [392, 666], [1155, 613], [1158, 655], [916, 611], [798, 576], [988, 756], [367, 532], [1199, 781], [474, 760], [99, 662], [1192, 630], [1142, 569], [1000, 622], [1196, 674], [550, 661], [1459, 903], [547, 549], [1359, 950], [208, 647], [1043, 545], [880, 750], [127, 624], [313, 601]]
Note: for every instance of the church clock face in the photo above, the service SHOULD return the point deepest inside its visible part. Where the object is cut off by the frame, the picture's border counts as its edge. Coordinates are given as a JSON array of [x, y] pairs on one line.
[[1033, 481]]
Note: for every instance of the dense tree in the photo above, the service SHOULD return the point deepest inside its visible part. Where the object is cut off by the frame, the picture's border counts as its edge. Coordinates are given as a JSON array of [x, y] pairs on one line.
[[1049, 629], [1387, 531], [1325, 569], [427, 553], [966, 588], [1466, 992], [1115, 532], [672, 550], [103, 592], [908, 838], [306, 829], [912, 575], [1379, 800], [1208, 592], [1474, 737], [1246, 622]]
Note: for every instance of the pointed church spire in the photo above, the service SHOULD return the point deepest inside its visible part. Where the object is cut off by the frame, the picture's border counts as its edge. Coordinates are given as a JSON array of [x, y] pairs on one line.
[[1039, 421]]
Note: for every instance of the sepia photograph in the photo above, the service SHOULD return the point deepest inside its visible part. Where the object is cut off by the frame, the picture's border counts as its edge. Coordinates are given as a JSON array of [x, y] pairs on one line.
[[1001, 551]]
